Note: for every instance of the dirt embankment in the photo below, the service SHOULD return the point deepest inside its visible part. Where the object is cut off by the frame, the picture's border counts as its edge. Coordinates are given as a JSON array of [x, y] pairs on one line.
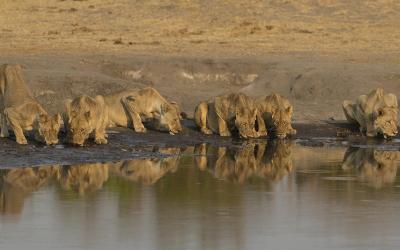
[[315, 87], [315, 52]]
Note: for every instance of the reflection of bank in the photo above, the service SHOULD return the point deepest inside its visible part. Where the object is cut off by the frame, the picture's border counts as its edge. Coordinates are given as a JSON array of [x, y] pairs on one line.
[[377, 168], [268, 160], [16, 184]]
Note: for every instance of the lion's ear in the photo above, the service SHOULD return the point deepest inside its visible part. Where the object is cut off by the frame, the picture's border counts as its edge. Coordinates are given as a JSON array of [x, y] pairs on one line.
[[380, 112], [289, 109], [58, 118], [377, 113], [42, 118], [165, 109], [88, 115]]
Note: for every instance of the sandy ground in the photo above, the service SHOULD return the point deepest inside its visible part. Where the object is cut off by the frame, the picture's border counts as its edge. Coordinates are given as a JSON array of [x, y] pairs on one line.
[[315, 52]]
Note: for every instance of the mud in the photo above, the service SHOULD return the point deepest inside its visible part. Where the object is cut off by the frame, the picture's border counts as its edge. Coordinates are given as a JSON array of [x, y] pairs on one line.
[[125, 144]]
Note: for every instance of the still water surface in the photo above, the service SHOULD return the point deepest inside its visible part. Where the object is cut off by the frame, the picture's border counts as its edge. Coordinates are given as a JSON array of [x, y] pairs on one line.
[[259, 196]]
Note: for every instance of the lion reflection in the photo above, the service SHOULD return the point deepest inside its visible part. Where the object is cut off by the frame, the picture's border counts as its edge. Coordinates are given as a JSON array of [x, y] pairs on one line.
[[147, 171], [18, 183], [83, 178], [375, 167], [268, 160]]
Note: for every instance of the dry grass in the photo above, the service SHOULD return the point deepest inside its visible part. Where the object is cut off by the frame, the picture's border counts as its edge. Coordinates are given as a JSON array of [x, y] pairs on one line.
[[200, 26]]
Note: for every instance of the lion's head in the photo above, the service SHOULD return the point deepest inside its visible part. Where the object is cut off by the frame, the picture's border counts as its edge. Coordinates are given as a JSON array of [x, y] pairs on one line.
[[169, 120], [281, 120], [385, 121], [146, 171], [245, 121], [46, 128], [79, 127], [78, 120], [84, 178]]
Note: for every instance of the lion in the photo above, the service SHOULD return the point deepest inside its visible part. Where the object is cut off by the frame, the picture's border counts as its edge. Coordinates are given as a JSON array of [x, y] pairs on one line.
[[86, 117], [266, 160], [274, 159], [226, 114], [377, 168], [375, 113], [277, 114], [20, 110], [83, 178], [134, 108], [147, 171], [178, 110]]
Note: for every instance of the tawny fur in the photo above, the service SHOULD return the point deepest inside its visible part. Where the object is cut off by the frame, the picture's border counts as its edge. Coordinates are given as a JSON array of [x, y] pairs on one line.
[[139, 107], [147, 171], [20, 111], [84, 118], [267, 160], [224, 114], [83, 178], [377, 168], [375, 113], [277, 114]]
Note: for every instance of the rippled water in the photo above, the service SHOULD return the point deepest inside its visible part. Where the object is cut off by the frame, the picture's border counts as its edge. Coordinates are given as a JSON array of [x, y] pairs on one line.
[[256, 196]]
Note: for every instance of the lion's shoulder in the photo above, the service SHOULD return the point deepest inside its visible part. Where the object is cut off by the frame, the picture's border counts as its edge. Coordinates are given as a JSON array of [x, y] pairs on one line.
[[13, 88]]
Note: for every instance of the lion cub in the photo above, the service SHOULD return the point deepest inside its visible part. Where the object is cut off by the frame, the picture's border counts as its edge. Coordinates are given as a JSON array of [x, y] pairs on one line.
[[20, 110], [375, 113], [86, 117], [227, 113], [277, 114]]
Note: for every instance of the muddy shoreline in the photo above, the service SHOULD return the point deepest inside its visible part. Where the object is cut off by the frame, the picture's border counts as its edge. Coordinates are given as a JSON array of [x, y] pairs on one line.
[[125, 144]]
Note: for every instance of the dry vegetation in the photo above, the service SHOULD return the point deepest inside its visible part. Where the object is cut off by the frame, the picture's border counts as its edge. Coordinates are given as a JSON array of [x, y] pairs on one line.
[[200, 26]]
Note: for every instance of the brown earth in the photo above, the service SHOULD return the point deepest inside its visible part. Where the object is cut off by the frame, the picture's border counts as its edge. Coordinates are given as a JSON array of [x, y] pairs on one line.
[[315, 52]]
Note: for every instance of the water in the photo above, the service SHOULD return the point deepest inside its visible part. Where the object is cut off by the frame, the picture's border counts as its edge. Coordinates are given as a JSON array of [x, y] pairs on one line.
[[259, 196]]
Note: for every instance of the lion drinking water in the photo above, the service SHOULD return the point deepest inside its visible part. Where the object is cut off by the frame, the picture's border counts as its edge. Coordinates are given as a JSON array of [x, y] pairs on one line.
[[86, 117], [20, 110], [375, 113], [139, 107], [227, 113], [277, 114]]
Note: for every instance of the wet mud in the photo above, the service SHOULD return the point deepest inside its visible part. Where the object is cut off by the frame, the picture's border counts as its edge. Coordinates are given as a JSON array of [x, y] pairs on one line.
[[125, 144]]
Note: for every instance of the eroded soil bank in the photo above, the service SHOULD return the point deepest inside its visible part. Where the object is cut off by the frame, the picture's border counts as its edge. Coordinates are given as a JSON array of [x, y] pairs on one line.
[[316, 84]]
